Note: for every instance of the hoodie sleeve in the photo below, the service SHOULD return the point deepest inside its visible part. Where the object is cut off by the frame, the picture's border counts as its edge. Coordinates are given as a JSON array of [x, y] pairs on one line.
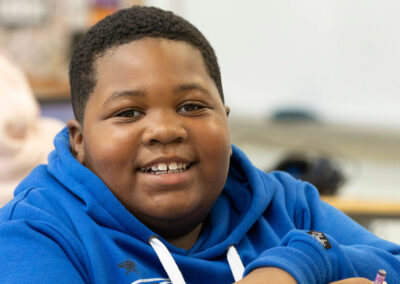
[[327, 245], [34, 252]]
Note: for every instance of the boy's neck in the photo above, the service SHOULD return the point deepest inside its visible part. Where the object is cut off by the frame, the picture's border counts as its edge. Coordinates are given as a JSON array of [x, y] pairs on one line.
[[188, 240]]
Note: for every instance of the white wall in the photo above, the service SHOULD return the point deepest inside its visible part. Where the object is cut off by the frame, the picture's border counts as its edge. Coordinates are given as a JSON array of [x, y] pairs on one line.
[[340, 58]]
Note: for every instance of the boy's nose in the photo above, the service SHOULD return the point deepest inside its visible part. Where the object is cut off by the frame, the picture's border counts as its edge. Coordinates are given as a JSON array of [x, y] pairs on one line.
[[164, 130]]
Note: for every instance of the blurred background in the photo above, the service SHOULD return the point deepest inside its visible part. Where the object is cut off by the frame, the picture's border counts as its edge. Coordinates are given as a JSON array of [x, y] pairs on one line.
[[313, 85]]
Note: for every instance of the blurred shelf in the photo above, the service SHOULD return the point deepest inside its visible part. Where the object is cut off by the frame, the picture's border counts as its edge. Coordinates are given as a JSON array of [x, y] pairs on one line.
[[50, 89], [373, 142]]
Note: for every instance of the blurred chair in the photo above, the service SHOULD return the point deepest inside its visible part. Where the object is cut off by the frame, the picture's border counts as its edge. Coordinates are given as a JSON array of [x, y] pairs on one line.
[[318, 169], [25, 137]]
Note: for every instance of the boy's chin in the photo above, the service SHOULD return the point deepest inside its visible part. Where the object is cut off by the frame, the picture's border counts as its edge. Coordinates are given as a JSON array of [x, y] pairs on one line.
[[175, 226], [174, 232]]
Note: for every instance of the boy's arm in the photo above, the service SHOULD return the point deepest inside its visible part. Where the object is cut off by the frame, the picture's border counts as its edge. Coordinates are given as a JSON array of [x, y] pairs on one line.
[[32, 253], [343, 250], [273, 274], [279, 276]]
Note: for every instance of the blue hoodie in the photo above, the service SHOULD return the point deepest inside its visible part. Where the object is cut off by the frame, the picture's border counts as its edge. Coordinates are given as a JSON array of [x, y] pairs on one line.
[[65, 226]]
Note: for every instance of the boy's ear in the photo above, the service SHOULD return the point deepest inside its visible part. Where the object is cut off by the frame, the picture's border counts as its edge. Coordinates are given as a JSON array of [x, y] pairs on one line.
[[227, 110], [76, 140]]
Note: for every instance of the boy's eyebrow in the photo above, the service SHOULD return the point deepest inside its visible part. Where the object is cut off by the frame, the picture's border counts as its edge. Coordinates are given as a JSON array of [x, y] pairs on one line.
[[139, 93], [189, 87], [125, 93]]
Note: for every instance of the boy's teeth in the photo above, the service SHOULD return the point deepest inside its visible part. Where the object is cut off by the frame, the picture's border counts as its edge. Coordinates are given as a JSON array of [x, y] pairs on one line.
[[172, 167], [162, 167]]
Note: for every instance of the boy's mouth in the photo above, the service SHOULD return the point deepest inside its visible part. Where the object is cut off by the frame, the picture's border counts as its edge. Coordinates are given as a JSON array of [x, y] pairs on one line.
[[166, 168]]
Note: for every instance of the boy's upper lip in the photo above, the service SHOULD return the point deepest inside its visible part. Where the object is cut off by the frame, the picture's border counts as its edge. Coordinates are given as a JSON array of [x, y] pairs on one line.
[[166, 160]]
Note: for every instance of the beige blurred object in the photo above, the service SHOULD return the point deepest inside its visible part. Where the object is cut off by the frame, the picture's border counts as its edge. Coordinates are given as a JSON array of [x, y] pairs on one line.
[[42, 49], [25, 137]]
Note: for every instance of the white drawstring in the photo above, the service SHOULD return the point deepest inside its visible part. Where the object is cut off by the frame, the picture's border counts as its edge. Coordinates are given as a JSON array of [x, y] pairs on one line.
[[167, 261], [172, 269], [153, 280], [235, 263]]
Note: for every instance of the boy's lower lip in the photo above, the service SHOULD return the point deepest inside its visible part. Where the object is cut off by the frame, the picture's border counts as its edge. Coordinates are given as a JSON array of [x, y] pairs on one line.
[[169, 179]]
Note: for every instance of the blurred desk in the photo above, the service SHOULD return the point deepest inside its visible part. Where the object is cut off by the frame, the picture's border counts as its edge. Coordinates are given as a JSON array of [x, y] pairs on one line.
[[365, 210]]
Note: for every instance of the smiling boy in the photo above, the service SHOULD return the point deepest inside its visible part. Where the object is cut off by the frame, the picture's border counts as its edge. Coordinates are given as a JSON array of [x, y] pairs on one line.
[[145, 187], [155, 130]]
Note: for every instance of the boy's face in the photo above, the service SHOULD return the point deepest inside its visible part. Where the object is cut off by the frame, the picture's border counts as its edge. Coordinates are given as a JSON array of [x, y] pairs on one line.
[[154, 106]]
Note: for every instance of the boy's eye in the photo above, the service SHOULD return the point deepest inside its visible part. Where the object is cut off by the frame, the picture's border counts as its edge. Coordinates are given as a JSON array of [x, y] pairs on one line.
[[129, 113], [190, 107]]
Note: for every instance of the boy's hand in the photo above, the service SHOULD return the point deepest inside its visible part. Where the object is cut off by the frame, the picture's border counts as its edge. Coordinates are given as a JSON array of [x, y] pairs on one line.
[[271, 275], [354, 281]]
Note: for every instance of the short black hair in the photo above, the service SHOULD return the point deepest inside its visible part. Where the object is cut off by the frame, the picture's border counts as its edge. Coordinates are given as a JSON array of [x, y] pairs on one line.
[[124, 26]]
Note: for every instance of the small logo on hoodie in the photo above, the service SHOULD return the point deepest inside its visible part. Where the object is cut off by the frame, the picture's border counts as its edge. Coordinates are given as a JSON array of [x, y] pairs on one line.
[[321, 238], [128, 265]]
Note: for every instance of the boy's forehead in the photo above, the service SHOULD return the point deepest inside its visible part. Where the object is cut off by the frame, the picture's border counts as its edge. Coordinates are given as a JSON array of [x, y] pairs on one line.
[[147, 55], [141, 45]]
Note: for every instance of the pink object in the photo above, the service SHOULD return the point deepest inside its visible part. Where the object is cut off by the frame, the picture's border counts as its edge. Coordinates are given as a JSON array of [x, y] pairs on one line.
[[380, 277]]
